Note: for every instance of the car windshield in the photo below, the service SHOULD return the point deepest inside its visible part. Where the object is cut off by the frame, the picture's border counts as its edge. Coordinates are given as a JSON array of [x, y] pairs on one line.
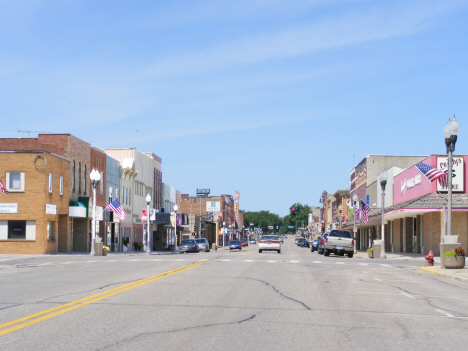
[[235, 242], [270, 237], [200, 240], [187, 242]]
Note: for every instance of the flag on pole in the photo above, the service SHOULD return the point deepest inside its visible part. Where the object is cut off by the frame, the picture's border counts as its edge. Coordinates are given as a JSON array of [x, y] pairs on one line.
[[432, 174], [116, 207], [364, 211], [2, 188]]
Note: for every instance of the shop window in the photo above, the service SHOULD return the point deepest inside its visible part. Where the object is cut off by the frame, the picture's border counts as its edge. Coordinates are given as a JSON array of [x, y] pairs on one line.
[[16, 229], [15, 181], [50, 230], [110, 194]]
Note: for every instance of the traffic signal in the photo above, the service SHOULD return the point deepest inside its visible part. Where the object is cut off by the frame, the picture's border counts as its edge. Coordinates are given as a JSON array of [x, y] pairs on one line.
[[293, 212], [323, 229], [195, 228]]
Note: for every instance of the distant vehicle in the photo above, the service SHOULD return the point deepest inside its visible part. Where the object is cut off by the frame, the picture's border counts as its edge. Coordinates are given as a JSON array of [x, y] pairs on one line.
[[304, 243], [314, 245], [189, 245], [252, 241], [321, 243], [296, 240], [269, 243], [235, 245], [203, 244], [244, 242]]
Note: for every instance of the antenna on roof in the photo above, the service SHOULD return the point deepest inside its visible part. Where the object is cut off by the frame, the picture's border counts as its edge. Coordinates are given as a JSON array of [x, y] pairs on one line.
[[24, 131]]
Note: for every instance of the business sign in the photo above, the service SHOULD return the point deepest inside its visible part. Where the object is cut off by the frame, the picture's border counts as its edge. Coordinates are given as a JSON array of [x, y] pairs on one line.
[[144, 215], [361, 174], [213, 206], [410, 183], [51, 209], [458, 173], [8, 208], [310, 218]]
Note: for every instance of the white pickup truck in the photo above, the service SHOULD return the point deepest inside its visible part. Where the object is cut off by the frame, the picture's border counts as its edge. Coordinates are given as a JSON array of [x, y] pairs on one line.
[[339, 242]]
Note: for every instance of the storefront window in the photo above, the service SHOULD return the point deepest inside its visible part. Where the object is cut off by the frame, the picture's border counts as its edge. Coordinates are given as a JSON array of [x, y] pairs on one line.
[[50, 230], [16, 229]]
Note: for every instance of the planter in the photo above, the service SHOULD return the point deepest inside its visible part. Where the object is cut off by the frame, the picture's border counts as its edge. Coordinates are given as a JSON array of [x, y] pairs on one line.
[[104, 252], [455, 262], [371, 254]]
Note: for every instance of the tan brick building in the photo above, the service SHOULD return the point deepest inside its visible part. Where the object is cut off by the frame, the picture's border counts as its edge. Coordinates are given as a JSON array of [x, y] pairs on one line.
[[34, 214]]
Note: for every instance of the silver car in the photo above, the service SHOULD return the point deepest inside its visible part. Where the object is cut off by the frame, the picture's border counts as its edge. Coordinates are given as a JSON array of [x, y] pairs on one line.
[[203, 244], [270, 243]]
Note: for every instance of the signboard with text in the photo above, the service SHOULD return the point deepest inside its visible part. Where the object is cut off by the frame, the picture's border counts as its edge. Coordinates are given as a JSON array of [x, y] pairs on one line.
[[458, 172], [213, 206]]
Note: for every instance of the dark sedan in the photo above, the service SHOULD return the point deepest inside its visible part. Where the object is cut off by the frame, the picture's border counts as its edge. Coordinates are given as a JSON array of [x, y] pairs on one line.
[[235, 244], [315, 244], [304, 243], [189, 245]]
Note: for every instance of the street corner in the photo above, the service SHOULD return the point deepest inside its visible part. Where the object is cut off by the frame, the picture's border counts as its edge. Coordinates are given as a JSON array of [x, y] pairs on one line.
[[456, 274]]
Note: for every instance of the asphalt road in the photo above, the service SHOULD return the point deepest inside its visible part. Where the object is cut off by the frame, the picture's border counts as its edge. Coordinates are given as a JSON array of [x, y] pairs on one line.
[[242, 300]]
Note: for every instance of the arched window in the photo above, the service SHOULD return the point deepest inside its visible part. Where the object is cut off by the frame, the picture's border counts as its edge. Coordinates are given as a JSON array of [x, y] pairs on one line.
[[79, 178], [73, 177], [84, 179]]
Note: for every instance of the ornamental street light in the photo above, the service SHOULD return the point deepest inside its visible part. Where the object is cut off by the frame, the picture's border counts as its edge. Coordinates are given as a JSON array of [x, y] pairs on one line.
[[340, 208], [224, 224], [451, 130], [148, 200], [175, 226], [383, 182], [355, 198], [95, 177]]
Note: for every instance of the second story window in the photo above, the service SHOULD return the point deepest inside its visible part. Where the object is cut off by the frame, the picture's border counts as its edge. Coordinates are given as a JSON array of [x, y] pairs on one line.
[[50, 182], [15, 181], [73, 177], [61, 185], [85, 178], [79, 178]]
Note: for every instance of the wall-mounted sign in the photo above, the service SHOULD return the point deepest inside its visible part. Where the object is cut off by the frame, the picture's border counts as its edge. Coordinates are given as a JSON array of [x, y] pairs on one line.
[[458, 173], [51, 209], [410, 183], [8, 208], [213, 206]]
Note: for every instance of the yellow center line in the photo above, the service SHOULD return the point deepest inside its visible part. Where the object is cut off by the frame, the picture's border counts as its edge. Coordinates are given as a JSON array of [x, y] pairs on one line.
[[244, 253], [70, 306]]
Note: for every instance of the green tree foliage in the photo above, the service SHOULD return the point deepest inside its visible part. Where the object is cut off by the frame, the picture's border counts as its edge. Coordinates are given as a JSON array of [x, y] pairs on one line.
[[301, 217], [262, 219]]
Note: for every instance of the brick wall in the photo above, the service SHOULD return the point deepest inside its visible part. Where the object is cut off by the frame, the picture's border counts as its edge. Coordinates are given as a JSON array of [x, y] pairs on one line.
[[397, 235], [431, 232]]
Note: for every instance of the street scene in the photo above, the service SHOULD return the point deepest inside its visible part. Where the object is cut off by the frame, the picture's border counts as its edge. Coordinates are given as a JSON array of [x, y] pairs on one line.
[[233, 175]]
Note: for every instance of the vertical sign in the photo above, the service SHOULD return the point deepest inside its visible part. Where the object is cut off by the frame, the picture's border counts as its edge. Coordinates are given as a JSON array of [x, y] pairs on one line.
[[458, 174]]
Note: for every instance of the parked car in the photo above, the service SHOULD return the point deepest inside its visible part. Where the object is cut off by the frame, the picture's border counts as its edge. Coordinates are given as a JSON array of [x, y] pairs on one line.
[[321, 243], [189, 245], [299, 242], [244, 242], [203, 244], [304, 243], [269, 242], [296, 240], [252, 241], [314, 245], [235, 245], [339, 242]]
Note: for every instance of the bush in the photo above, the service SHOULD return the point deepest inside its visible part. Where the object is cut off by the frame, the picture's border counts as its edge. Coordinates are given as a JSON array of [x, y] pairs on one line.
[[370, 250], [449, 254], [459, 251]]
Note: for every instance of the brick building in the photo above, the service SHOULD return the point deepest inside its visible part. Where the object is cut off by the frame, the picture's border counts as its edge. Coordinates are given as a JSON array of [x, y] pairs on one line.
[[34, 214]]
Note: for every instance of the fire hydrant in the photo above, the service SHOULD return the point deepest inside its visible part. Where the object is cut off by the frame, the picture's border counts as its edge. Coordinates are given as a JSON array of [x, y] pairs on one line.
[[430, 258]]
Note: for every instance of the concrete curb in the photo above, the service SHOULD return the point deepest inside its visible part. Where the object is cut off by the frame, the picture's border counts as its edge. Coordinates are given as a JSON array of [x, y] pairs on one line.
[[458, 274]]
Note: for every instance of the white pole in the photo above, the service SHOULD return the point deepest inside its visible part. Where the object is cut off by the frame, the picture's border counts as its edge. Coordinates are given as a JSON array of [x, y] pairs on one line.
[[148, 229], [93, 229]]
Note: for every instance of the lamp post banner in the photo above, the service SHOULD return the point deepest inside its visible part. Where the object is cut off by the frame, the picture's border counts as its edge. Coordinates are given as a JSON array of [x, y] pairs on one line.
[[144, 215], [458, 172]]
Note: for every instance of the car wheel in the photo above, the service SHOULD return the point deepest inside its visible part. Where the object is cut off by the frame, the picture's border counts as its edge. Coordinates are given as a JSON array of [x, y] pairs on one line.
[[208, 250], [350, 255], [312, 250], [326, 252], [279, 251], [260, 251]]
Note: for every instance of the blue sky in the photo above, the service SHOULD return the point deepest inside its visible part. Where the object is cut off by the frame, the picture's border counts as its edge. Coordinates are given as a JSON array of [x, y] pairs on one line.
[[271, 98]]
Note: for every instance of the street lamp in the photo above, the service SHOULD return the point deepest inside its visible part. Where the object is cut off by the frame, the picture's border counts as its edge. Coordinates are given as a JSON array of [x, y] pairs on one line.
[[383, 182], [148, 200], [340, 208], [355, 198], [95, 177], [175, 226], [224, 224], [451, 130]]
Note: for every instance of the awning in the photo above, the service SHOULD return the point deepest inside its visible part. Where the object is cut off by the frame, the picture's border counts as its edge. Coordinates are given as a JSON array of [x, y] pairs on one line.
[[77, 209]]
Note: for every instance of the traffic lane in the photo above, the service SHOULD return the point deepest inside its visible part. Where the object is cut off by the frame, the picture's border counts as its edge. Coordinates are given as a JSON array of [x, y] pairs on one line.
[[29, 290]]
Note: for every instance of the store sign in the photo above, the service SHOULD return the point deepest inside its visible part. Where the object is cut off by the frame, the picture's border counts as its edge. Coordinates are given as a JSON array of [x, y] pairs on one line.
[[213, 206], [458, 173], [8, 208], [51, 209], [410, 183]]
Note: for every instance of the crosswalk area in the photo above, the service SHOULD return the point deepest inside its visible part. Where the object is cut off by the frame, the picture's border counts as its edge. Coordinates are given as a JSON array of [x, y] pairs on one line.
[[193, 259]]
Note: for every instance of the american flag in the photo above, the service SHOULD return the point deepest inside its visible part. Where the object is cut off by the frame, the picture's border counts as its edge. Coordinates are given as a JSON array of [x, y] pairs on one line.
[[2, 188], [117, 208], [364, 211], [432, 174]]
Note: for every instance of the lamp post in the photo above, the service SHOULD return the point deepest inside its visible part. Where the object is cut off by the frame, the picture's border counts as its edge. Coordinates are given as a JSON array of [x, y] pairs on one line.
[[224, 224], [355, 198], [95, 177], [340, 208], [451, 130], [175, 226], [148, 200], [383, 182]]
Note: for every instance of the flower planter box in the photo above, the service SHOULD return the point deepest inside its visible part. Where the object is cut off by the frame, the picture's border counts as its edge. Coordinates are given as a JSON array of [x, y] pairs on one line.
[[371, 254], [455, 262]]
